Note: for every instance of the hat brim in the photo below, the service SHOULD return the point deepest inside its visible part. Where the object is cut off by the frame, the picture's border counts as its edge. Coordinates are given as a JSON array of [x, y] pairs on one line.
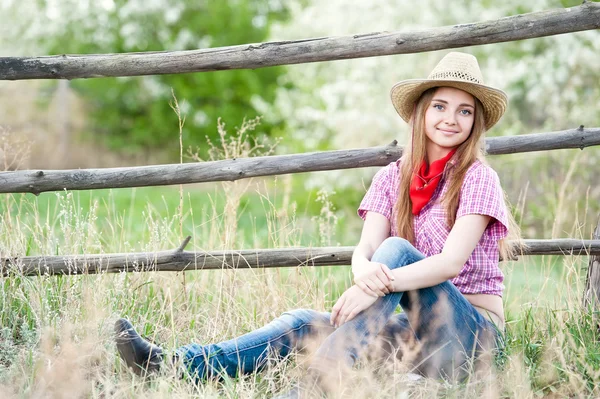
[[404, 94]]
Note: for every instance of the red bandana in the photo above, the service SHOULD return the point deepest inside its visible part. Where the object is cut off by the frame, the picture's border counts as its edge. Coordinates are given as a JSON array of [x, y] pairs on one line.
[[425, 182]]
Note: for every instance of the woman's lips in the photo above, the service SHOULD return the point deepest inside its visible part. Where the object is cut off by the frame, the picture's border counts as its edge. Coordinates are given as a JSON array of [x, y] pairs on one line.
[[448, 131]]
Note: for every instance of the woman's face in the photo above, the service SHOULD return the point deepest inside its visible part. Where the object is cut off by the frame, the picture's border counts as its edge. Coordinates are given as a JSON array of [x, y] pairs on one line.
[[448, 121]]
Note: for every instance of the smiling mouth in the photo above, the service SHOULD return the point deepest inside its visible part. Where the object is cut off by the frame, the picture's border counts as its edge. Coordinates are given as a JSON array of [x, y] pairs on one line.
[[447, 131]]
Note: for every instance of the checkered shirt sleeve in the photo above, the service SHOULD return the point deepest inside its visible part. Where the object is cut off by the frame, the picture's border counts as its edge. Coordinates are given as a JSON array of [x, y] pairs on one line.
[[378, 198], [482, 194]]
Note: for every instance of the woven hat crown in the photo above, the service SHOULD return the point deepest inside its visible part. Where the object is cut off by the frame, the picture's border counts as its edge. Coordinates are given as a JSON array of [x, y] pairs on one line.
[[457, 66]]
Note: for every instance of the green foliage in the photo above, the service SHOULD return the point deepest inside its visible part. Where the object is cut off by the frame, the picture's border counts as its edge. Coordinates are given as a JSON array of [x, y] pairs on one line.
[[133, 113], [559, 348], [574, 3]]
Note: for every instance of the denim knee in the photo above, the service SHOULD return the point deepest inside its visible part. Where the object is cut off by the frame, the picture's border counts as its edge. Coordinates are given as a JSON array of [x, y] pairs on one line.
[[298, 317], [396, 252]]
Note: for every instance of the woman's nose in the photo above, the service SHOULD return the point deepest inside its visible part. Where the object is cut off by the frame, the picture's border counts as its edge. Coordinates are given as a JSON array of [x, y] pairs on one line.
[[450, 119]]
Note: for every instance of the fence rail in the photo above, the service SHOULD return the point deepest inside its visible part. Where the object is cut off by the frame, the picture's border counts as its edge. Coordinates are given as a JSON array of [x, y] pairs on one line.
[[38, 181], [251, 56], [180, 260]]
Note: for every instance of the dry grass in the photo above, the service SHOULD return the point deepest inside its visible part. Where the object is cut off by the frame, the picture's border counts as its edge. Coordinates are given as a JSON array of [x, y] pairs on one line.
[[57, 331]]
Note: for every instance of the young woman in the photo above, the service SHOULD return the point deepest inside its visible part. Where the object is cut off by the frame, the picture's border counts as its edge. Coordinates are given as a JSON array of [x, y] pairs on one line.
[[435, 226]]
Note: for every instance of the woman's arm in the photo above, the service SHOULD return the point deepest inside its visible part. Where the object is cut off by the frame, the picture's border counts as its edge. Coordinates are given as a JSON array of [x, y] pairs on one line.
[[374, 278], [461, 242], [375, 230]]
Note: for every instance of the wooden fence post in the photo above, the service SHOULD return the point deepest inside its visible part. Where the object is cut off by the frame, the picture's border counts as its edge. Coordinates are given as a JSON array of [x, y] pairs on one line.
[[591, 294]]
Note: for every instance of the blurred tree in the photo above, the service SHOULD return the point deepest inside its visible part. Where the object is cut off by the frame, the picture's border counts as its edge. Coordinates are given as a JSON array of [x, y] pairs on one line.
[[133, 113]]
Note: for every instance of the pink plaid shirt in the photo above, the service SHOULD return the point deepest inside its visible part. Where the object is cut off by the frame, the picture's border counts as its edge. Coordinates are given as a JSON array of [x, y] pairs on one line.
[[480, 194]]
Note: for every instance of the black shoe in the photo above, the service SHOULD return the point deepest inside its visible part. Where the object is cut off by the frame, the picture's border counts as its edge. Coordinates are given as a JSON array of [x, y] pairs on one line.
[[142, 356]]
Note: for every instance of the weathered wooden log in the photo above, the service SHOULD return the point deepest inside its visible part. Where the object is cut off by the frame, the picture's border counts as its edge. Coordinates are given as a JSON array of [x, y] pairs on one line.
[[179, 260], [561, 246], [591, 295], [252, 56], [38, 181], [572, 138], [176, 260]]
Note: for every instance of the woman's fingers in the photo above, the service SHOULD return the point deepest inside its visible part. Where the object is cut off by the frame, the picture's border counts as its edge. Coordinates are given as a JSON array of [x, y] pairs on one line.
[[384, 274], [376, 286], [388, 272], [372, 287], [339, 321], [353, 311], [381, 287], [335, 311], [345, 307], [340, 317], [378, 280], [363, 286], [345, 313], [353, 314]]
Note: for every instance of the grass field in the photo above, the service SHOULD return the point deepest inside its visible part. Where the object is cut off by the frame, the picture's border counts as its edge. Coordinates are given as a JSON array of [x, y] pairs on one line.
[[56, 336]]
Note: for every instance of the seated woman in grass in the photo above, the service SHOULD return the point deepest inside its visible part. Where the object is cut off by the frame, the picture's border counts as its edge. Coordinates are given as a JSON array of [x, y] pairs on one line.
[[435, 226]]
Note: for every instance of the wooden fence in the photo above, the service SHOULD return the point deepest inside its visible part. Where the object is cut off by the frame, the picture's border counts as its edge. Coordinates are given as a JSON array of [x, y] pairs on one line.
[[39, 181], [518, 27], [260, 55], [178, 260]]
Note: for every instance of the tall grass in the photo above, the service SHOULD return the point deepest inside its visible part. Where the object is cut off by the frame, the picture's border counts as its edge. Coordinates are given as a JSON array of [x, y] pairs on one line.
[[56, 332]]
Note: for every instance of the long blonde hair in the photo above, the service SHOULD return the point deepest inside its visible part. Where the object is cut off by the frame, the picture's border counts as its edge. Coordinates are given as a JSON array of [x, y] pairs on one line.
[[468, 152]]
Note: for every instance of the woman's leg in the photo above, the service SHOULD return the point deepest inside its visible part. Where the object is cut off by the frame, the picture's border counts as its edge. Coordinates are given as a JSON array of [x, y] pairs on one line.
[[396, 341], [440, 334], [451, 333], [447, 328], [293, 330], [350, 339]]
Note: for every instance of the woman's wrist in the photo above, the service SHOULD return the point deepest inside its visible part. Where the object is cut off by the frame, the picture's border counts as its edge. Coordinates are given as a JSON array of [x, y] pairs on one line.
[[397, 281], [359, 263]]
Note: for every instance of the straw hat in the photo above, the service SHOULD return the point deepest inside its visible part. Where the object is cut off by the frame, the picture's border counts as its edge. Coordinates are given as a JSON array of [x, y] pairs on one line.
[[459, 70]]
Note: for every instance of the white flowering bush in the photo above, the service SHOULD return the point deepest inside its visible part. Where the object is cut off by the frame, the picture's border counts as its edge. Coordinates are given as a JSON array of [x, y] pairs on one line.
[[551, 82], [345, 104]]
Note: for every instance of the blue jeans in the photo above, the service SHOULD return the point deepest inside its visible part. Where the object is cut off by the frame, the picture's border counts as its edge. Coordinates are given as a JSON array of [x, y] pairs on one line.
[[440, 333]]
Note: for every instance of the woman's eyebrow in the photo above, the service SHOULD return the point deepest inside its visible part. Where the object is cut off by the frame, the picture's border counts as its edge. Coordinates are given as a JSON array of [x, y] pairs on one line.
[[446, 102]]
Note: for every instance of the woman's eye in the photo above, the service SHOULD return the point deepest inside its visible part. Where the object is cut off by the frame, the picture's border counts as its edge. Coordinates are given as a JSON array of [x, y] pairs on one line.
[[438, 106], [465, 112]]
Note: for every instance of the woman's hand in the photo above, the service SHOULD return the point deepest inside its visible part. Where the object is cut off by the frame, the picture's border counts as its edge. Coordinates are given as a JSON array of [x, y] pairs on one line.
[[351, 303], [375, 279]]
